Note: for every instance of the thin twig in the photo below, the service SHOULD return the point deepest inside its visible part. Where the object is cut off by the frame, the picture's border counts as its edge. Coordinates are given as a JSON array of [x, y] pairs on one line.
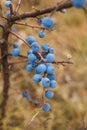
[[29, 25], [36, 114], [62, 62], [43, 92], [21, 56], [11, 9], [58, 4], [18, 6], [17, 61], [83, 120], [43, 97], [20, 37], [4, 17], [16, 90]]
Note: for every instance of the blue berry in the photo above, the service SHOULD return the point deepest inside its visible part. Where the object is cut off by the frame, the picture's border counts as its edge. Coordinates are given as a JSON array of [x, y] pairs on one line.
[[26, 95], [35, 47], [15, 45], [49, 94], [47, 65], [8, 3], [37, 78], [48, 22], [51, 76], [45, 47], [53, 83], [29, 68], [14, 29], [24, 18], [29, 51], [78, 3], [50, 69], [8, 13], [50, 58], [41, 34], [31, 57], [31, 39], [41, 68], [51, 50], [15, 51], [39, 21], [45, 82], [46, 107]]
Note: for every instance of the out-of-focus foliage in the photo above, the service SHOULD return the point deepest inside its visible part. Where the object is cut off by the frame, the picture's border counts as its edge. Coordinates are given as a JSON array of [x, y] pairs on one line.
[[69, 36]]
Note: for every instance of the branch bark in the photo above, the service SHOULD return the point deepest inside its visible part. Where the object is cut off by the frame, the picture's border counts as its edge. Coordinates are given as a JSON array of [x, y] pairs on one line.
[[36, 13], [2, 24], [5, 73], [6, 83]]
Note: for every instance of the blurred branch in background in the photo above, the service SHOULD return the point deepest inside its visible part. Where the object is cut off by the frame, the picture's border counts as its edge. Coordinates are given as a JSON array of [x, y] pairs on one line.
[[18, 6]]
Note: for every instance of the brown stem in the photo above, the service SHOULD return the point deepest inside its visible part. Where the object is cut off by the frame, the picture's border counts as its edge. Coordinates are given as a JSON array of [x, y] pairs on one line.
[[58, 4], [43, 93], [62, 62], [20, 37], [29, 25], [33, 14], [4, 17], [6, 82], [11, 9], [43, 97], [18, 6], [21, 56], [17, 61]]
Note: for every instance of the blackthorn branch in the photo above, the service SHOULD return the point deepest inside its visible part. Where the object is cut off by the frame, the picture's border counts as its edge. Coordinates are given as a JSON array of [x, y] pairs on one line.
[[36, 60]]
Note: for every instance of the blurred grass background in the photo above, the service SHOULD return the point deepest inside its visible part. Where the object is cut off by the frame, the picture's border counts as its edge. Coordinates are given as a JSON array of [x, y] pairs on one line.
[[69, 36]]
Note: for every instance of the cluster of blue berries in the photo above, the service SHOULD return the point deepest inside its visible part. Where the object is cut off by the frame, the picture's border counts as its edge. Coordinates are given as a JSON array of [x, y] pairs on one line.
[[43, 67], [78, 3], [40, 59]]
